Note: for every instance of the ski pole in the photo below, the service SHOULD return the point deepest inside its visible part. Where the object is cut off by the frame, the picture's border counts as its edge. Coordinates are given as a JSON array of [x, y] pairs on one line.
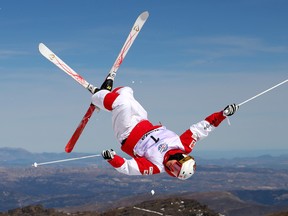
[[64, 160], [263, 92]]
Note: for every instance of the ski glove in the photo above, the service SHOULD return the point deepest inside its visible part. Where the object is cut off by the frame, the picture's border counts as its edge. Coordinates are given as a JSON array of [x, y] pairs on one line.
[[108, 154], [230, 109]]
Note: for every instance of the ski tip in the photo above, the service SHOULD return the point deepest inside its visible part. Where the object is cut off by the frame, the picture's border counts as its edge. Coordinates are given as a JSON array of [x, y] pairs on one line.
[[144, 15], [68, 149], [41, 45], [42, 48]]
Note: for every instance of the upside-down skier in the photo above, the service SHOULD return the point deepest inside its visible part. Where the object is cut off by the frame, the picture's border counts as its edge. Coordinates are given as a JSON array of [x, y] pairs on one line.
[[153, 148]]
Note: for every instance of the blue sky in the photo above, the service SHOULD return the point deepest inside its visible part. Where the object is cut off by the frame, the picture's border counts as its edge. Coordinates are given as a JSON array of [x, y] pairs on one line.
[[191, 58]]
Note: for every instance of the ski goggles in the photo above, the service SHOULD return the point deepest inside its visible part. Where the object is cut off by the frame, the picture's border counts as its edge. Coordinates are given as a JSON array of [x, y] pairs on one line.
[[176, 166]]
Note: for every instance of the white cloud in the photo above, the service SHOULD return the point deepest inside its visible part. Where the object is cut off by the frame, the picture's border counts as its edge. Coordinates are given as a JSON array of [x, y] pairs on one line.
[[233, 45], [11, 53]]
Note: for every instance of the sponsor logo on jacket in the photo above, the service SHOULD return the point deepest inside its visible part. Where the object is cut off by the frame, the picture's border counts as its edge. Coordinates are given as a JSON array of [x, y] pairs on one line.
[[163, 147], [148, 172]]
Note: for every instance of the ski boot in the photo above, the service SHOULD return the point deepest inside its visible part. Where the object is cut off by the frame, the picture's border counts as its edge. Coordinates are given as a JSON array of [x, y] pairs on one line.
[[108, 83]]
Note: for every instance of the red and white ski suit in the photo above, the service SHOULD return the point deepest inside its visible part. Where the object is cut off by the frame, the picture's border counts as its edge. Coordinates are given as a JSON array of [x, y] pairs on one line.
[[149, 145]]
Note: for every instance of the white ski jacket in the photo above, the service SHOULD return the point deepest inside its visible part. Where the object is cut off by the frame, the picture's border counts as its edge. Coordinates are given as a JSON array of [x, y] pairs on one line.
[[149, 153], [149, 145]]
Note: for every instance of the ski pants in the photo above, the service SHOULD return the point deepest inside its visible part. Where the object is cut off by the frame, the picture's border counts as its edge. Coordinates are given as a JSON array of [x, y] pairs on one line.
[[126, 111]]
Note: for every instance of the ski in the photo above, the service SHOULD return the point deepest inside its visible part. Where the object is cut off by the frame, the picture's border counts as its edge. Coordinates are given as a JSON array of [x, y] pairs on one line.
[[140, 21], [52, 57], [71, 143]]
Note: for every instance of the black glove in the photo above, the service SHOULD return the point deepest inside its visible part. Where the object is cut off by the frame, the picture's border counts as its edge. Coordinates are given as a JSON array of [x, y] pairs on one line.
[[108, 154], [230, 110]]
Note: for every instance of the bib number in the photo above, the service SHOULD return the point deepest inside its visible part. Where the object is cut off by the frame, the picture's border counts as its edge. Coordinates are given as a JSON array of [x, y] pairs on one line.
[[155, 140]]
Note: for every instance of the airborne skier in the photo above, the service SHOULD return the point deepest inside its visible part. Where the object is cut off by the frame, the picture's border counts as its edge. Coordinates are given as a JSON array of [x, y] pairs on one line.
[[153, 148]]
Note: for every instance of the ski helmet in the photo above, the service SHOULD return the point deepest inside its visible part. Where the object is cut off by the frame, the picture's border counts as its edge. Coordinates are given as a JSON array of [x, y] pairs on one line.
[[181, 166], [188, 167]]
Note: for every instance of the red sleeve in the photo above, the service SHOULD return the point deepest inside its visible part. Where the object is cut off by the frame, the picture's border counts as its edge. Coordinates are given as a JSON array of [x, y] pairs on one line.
[[187, 140], [146, 167], [134, 166], [216, 118], [117, 161], [200, 130]]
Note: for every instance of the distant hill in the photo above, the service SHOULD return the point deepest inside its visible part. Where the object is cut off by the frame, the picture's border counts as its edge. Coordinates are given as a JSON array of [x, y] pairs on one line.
[[14, 154], [172, 206], [279, 214], [167, 206], [37, 210]]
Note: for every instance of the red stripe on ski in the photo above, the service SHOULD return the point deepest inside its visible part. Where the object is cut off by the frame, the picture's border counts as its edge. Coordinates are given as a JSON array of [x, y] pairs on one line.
[[126, 47], [70, 145], [68, 70]]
